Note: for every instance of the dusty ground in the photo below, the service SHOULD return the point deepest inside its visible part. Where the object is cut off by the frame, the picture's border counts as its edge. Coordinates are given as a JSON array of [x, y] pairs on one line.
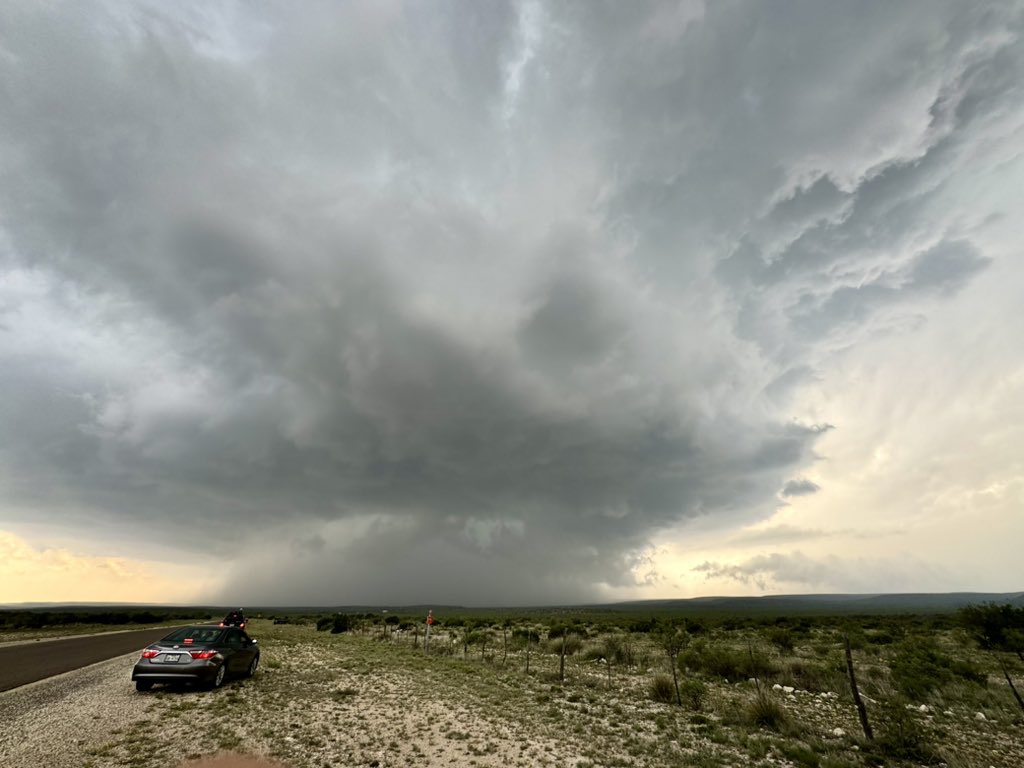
[[227, 760]]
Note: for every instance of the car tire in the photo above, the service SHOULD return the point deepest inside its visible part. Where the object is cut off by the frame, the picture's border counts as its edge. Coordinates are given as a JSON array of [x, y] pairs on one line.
[[252, 666], [143, 685], [218, 678]]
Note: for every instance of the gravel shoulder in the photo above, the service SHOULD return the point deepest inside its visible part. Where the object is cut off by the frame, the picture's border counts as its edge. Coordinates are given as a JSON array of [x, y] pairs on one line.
[[55, 721]]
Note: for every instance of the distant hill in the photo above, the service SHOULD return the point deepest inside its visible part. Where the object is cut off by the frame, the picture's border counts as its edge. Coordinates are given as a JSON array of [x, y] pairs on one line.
[[924, 602], [767, 605]]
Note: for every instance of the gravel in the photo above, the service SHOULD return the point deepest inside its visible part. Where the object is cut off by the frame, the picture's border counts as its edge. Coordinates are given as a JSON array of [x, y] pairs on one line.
[[54, 722]]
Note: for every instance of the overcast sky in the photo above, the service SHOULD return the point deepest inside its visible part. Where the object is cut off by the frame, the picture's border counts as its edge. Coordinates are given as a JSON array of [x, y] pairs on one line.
[[502, 304]]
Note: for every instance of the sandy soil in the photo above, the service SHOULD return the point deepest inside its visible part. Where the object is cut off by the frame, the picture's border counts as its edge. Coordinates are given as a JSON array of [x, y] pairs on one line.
[[229, 760]]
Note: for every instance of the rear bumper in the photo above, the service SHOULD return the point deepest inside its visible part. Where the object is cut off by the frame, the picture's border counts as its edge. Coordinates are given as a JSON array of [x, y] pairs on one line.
[[200, 672]]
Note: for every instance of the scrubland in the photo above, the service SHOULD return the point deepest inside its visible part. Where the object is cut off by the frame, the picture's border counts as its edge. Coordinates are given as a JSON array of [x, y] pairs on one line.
[[502, 692]]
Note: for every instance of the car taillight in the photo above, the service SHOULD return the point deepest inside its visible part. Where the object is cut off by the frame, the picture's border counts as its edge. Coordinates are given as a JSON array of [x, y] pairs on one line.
[[149, 653], [202, 654]]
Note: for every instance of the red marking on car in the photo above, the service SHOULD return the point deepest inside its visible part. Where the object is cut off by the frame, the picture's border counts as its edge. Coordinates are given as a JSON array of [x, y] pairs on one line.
[[149, 653], [187, 641], [202, 654]]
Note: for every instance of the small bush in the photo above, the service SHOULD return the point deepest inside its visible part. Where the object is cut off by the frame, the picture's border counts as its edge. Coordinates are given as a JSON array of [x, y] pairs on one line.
[[919, 667], [812, 676], [782, 639], [573, 643], [801, 754], [694, 694], [342, 623], [902, 737], [765, 712], [727, 662], [882, 637], [520, 636], [662, 689]]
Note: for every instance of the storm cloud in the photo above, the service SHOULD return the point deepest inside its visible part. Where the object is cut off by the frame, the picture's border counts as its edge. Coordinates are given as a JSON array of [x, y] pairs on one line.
[[465, 302]]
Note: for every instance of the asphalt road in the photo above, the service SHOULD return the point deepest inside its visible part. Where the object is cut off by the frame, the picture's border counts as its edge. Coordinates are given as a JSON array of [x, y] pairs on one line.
[[28, 662]]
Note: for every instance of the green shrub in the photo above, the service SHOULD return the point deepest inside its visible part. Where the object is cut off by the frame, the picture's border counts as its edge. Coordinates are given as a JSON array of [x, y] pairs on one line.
[[338, 623], [766, 712], [642, 626], [919, 667], [662, 689], [573, 643], [732, 664], [902, 737], [801, 754], [813, 676], [882, 637], [782, 639], [694, 694], [520, 636]]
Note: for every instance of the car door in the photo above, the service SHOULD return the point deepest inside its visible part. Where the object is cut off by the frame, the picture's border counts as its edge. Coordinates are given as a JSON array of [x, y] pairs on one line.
[[237, 659], [249, 650]]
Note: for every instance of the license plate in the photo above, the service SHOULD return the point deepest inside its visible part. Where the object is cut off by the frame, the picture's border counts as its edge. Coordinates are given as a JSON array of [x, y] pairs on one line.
[[171, 657]]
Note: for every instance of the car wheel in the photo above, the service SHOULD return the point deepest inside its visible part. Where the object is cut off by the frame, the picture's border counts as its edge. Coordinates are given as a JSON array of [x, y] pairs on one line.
[[252, 667], [218, 679], [143, 685]]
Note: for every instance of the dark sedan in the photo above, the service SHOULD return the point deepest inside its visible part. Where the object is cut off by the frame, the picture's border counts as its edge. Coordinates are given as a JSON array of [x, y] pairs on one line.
[[204, 654]]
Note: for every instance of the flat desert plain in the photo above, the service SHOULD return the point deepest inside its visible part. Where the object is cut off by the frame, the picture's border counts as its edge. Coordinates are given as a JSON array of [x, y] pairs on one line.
[[366, 699]]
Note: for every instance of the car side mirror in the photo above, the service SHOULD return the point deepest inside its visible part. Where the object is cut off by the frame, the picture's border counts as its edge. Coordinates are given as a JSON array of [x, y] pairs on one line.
[[252, 640]]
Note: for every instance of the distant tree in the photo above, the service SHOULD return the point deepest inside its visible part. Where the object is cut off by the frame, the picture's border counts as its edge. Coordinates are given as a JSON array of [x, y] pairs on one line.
[[342, 623], [672, 638]]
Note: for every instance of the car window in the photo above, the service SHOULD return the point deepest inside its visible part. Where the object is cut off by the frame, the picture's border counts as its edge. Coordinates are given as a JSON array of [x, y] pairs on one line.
[[235, 637], [195, 634]]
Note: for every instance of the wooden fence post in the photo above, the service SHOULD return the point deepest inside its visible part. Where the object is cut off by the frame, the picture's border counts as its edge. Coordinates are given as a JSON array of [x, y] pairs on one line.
[[862, 711]]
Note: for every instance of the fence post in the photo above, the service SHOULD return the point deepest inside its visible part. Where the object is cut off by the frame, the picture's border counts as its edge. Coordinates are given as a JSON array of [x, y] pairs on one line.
[[862, 711]]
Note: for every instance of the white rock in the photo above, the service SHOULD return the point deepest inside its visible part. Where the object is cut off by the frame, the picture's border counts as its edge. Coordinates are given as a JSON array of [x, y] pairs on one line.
[[923, 708], [979, 716], [838, 732], [787, 689], [776, 687]]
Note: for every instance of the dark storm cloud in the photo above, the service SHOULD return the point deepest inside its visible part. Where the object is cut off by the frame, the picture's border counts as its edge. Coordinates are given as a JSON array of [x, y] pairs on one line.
[[799, 487], [481, 333]]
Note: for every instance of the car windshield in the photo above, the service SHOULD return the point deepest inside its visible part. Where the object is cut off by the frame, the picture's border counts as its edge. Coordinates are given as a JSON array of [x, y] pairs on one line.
[[195, 634]]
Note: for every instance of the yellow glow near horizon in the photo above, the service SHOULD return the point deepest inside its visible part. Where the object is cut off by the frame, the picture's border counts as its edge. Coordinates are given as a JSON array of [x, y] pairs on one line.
[[30, 574]]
